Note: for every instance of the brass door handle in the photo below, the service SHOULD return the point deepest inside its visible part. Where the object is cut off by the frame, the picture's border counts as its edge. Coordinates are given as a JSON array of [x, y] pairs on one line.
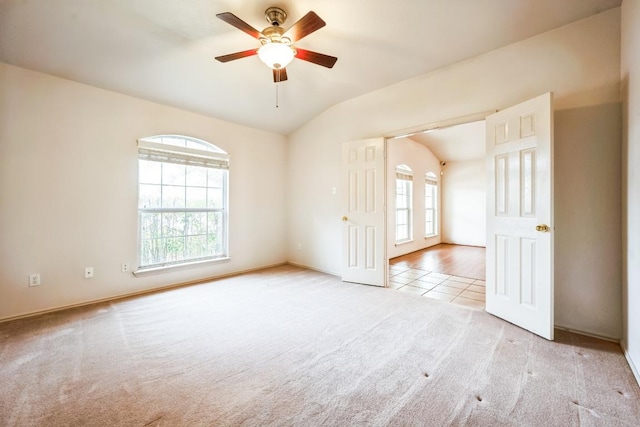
[[344, 218], [544, 228]]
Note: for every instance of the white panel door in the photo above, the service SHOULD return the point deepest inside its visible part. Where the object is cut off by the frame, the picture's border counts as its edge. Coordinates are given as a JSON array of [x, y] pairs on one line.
[[520, 215], [363, 234]]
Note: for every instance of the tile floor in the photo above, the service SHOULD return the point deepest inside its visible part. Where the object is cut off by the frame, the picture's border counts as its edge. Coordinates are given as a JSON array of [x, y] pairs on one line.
[[443, 287]]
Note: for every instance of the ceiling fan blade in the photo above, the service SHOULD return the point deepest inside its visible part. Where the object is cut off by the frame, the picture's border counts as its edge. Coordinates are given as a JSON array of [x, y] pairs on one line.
[[279, 75], [237, 55], [316, 58], [232, 19], [305, 26]]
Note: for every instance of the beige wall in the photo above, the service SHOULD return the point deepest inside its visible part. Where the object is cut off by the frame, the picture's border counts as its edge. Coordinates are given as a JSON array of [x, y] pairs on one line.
[[580, 63], [68, 190], [464, 194], [421, 160], [588, 257], [630, 73]]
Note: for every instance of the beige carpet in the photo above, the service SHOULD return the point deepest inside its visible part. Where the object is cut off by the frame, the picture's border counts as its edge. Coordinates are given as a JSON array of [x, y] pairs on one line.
[[288, 346]]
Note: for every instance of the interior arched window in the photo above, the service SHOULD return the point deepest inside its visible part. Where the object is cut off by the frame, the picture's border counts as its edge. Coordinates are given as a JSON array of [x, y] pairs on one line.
[[182, 201], [404, 202], [430, 205]]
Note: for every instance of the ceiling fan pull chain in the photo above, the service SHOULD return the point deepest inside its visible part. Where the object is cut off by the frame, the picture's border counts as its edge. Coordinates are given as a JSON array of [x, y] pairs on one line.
[[277, 106]]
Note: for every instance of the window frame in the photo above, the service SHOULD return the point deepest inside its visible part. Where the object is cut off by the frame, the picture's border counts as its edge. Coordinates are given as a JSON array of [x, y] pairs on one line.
[[431, 184], [404, 177], [211, 157]]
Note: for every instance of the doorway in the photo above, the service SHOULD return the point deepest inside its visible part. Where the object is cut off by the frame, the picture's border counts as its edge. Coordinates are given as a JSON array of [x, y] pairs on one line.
[[519, 195], [422, 264]]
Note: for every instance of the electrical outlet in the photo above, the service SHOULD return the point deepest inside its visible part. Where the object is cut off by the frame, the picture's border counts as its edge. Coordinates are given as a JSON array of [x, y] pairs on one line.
[[125, 267], [88, 272], [34, 280]]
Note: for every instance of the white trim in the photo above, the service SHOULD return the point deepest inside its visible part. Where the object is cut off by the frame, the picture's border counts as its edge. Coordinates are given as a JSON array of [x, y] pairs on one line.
[[156, 146], [407, 188], [320, 270], [404, 242], [176, 267], [442, 124], [139, 293], [634, 370], [431, 186], [587, 334], [404, 176]]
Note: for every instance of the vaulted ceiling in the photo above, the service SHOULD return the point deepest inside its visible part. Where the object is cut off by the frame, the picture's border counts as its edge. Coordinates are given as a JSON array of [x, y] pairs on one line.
[[163, 50], [456, 143]]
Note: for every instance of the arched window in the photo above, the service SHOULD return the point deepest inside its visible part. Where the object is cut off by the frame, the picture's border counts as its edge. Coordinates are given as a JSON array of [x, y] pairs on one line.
[[404, 193], [430, 205], [182, 201]]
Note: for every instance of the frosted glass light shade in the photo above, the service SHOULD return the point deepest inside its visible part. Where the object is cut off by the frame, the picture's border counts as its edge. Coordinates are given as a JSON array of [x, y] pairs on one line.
[[275, 55]]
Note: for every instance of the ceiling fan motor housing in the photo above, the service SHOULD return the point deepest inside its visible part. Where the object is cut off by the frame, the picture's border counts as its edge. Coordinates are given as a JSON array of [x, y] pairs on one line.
[[275, 16]]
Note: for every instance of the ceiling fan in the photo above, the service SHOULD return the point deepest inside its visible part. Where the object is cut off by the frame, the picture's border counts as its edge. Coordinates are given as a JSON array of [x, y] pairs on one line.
[[277, 49]]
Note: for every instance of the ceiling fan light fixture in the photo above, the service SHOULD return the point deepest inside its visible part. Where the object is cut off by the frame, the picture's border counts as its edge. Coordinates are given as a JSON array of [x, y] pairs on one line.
[[276, 55]]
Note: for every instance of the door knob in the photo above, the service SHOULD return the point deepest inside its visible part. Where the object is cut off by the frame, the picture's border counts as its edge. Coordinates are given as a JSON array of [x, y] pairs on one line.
[[344, 218], [544, 228]]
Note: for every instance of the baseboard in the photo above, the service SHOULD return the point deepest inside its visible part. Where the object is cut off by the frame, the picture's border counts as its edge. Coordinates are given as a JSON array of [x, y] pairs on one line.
[[308, 267], [138, 293], [463, 244], [588, 334], [636, 372]]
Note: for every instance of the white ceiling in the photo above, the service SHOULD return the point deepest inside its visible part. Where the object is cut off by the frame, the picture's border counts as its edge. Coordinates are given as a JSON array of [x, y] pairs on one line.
[[163, 50], [455, 143]]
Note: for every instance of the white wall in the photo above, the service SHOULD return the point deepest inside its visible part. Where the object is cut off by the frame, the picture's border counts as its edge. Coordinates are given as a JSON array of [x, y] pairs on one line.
[[630, 73], [68, 190], [421, 160], [464, 195], [580, 63]]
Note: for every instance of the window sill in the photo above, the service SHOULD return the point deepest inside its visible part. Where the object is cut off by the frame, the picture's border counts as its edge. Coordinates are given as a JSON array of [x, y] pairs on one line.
[[177, 267], [404, 242], [430, 236]]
